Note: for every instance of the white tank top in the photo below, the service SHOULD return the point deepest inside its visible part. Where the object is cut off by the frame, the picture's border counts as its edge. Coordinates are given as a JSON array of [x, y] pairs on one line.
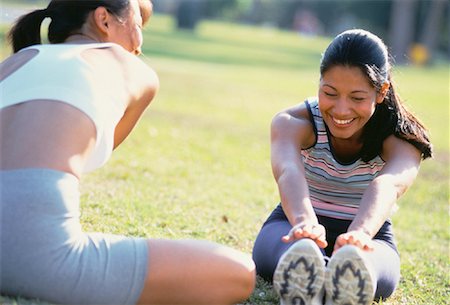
[[58, 72]]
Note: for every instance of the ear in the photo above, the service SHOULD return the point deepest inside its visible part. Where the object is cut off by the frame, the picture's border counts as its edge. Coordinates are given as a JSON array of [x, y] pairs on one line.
[[102, 19], [383, 92]]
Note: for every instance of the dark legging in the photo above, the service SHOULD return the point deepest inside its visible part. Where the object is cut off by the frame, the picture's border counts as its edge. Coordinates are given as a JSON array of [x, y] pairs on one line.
[[384, 258]]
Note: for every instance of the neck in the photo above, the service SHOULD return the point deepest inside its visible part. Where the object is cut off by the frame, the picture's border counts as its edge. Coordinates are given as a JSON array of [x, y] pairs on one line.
[[346, 149], [82, 38]]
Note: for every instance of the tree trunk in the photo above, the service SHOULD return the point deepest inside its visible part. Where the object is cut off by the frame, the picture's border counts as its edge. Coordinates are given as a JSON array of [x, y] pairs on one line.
[[188, 14], [430, 33], [401, 29]]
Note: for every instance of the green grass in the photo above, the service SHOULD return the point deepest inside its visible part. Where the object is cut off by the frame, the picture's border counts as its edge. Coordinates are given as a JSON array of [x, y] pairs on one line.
[[197, 165]]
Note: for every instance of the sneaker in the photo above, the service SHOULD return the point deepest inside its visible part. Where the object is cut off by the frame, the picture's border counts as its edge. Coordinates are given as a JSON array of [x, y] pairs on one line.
[[300, 275], [348, 281]]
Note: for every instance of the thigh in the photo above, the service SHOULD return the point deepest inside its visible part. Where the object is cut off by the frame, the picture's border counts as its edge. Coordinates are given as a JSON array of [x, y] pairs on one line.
[[385, 262], [46, 255], [39, 214], [268, 247], [196, 272]]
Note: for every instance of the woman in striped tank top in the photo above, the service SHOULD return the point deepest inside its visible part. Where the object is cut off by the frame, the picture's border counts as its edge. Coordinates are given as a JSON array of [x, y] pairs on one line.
[[341, 160]]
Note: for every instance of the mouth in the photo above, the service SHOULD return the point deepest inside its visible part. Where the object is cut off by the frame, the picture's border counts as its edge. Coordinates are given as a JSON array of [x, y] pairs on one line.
[[342, 122]]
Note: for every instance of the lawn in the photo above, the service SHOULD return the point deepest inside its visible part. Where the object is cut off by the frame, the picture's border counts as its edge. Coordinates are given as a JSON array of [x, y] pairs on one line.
[[197, 165]]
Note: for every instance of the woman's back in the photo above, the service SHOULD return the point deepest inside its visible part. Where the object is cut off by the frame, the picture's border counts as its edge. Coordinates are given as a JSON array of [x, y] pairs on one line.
[[57, 125]]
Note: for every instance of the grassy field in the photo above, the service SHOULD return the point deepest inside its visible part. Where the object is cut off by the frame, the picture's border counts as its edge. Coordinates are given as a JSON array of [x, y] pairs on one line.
[[197, 165]]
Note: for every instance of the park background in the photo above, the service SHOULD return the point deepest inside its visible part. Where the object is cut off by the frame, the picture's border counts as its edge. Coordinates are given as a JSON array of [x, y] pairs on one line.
[[198, 163]]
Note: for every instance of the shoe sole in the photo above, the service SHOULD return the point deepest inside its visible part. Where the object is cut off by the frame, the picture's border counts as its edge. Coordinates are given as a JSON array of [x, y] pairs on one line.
[[300, 274], [348, 281]]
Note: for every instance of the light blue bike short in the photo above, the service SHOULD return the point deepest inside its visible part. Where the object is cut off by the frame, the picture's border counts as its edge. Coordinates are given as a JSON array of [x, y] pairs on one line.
[[44, 253]]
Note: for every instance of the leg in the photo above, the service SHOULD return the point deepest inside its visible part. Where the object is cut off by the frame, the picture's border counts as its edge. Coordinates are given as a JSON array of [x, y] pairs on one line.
[[385, 262], [349, 278], [45, 255], [269, 248], [300, 274], [357, 277], [196, 272], [298, 267]]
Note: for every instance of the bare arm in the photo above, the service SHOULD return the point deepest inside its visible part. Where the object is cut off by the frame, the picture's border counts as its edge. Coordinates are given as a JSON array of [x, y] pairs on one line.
[[398, 174], [290, 131], [143, 89]]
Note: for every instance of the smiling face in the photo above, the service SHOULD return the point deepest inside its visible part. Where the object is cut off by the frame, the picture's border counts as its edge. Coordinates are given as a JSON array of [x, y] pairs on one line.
[[347, 101]]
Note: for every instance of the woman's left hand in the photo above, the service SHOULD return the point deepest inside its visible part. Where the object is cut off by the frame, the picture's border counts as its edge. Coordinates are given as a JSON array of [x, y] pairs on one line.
[[356, 238]]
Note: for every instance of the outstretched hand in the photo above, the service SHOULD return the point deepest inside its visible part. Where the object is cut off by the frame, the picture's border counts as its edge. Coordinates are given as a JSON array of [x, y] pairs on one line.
[[356, 238], [316, 232]]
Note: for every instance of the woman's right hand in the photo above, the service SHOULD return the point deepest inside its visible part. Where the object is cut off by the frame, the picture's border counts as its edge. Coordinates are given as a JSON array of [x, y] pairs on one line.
[[316, 232]]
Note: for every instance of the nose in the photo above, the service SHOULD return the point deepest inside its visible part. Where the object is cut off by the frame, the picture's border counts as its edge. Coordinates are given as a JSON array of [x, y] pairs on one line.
[[341, 108]]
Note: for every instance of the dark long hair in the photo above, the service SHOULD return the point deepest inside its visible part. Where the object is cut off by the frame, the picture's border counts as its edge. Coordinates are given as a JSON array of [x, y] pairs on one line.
[[67, 17], [362, 49]]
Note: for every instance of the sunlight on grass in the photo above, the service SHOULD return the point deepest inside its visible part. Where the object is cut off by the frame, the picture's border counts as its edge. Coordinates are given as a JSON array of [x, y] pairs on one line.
[[197, 164]]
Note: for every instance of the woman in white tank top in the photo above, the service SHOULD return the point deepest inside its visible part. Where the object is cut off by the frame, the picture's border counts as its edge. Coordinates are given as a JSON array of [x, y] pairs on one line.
[[65, 106]]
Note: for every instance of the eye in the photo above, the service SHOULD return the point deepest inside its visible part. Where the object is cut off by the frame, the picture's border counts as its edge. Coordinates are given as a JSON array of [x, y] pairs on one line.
[[358, 99], [329, 94]]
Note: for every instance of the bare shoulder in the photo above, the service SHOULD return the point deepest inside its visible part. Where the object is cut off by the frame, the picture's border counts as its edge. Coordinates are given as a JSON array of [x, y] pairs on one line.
[[296, 115], [294, 124], [140, 78], [395, 148], [134, 66]]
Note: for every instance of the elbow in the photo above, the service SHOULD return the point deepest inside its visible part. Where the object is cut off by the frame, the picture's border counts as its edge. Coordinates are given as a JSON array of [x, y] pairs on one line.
[[151, 89], [151, 93], [287, 173], [387, 184]]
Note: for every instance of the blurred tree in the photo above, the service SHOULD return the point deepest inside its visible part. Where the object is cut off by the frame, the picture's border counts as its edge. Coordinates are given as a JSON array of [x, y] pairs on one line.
[[337, 16], [256, 11], [188, 13], [216, 8], [401, 23], [431, 29], [401, 29]]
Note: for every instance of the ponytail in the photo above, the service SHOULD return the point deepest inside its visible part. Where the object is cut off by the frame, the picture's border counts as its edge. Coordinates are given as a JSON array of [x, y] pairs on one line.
[[409, 127], [392, 117], [27, 30], [68, 17]]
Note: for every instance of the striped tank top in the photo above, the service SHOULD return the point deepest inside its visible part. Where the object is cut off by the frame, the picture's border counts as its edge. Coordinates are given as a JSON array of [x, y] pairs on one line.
[[335, 188]]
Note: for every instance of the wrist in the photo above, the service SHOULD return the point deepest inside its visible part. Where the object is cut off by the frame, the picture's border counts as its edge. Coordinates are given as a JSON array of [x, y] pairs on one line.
[[363, 230], [304, 220], [300, 215]]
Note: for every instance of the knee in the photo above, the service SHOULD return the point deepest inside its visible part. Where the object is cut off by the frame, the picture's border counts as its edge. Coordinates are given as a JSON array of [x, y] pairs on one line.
[[247, 279], [250, 276]]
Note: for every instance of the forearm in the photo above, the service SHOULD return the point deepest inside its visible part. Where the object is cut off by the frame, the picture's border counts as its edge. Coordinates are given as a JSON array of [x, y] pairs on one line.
[[128, 122], [376, 205], [294, 196]]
